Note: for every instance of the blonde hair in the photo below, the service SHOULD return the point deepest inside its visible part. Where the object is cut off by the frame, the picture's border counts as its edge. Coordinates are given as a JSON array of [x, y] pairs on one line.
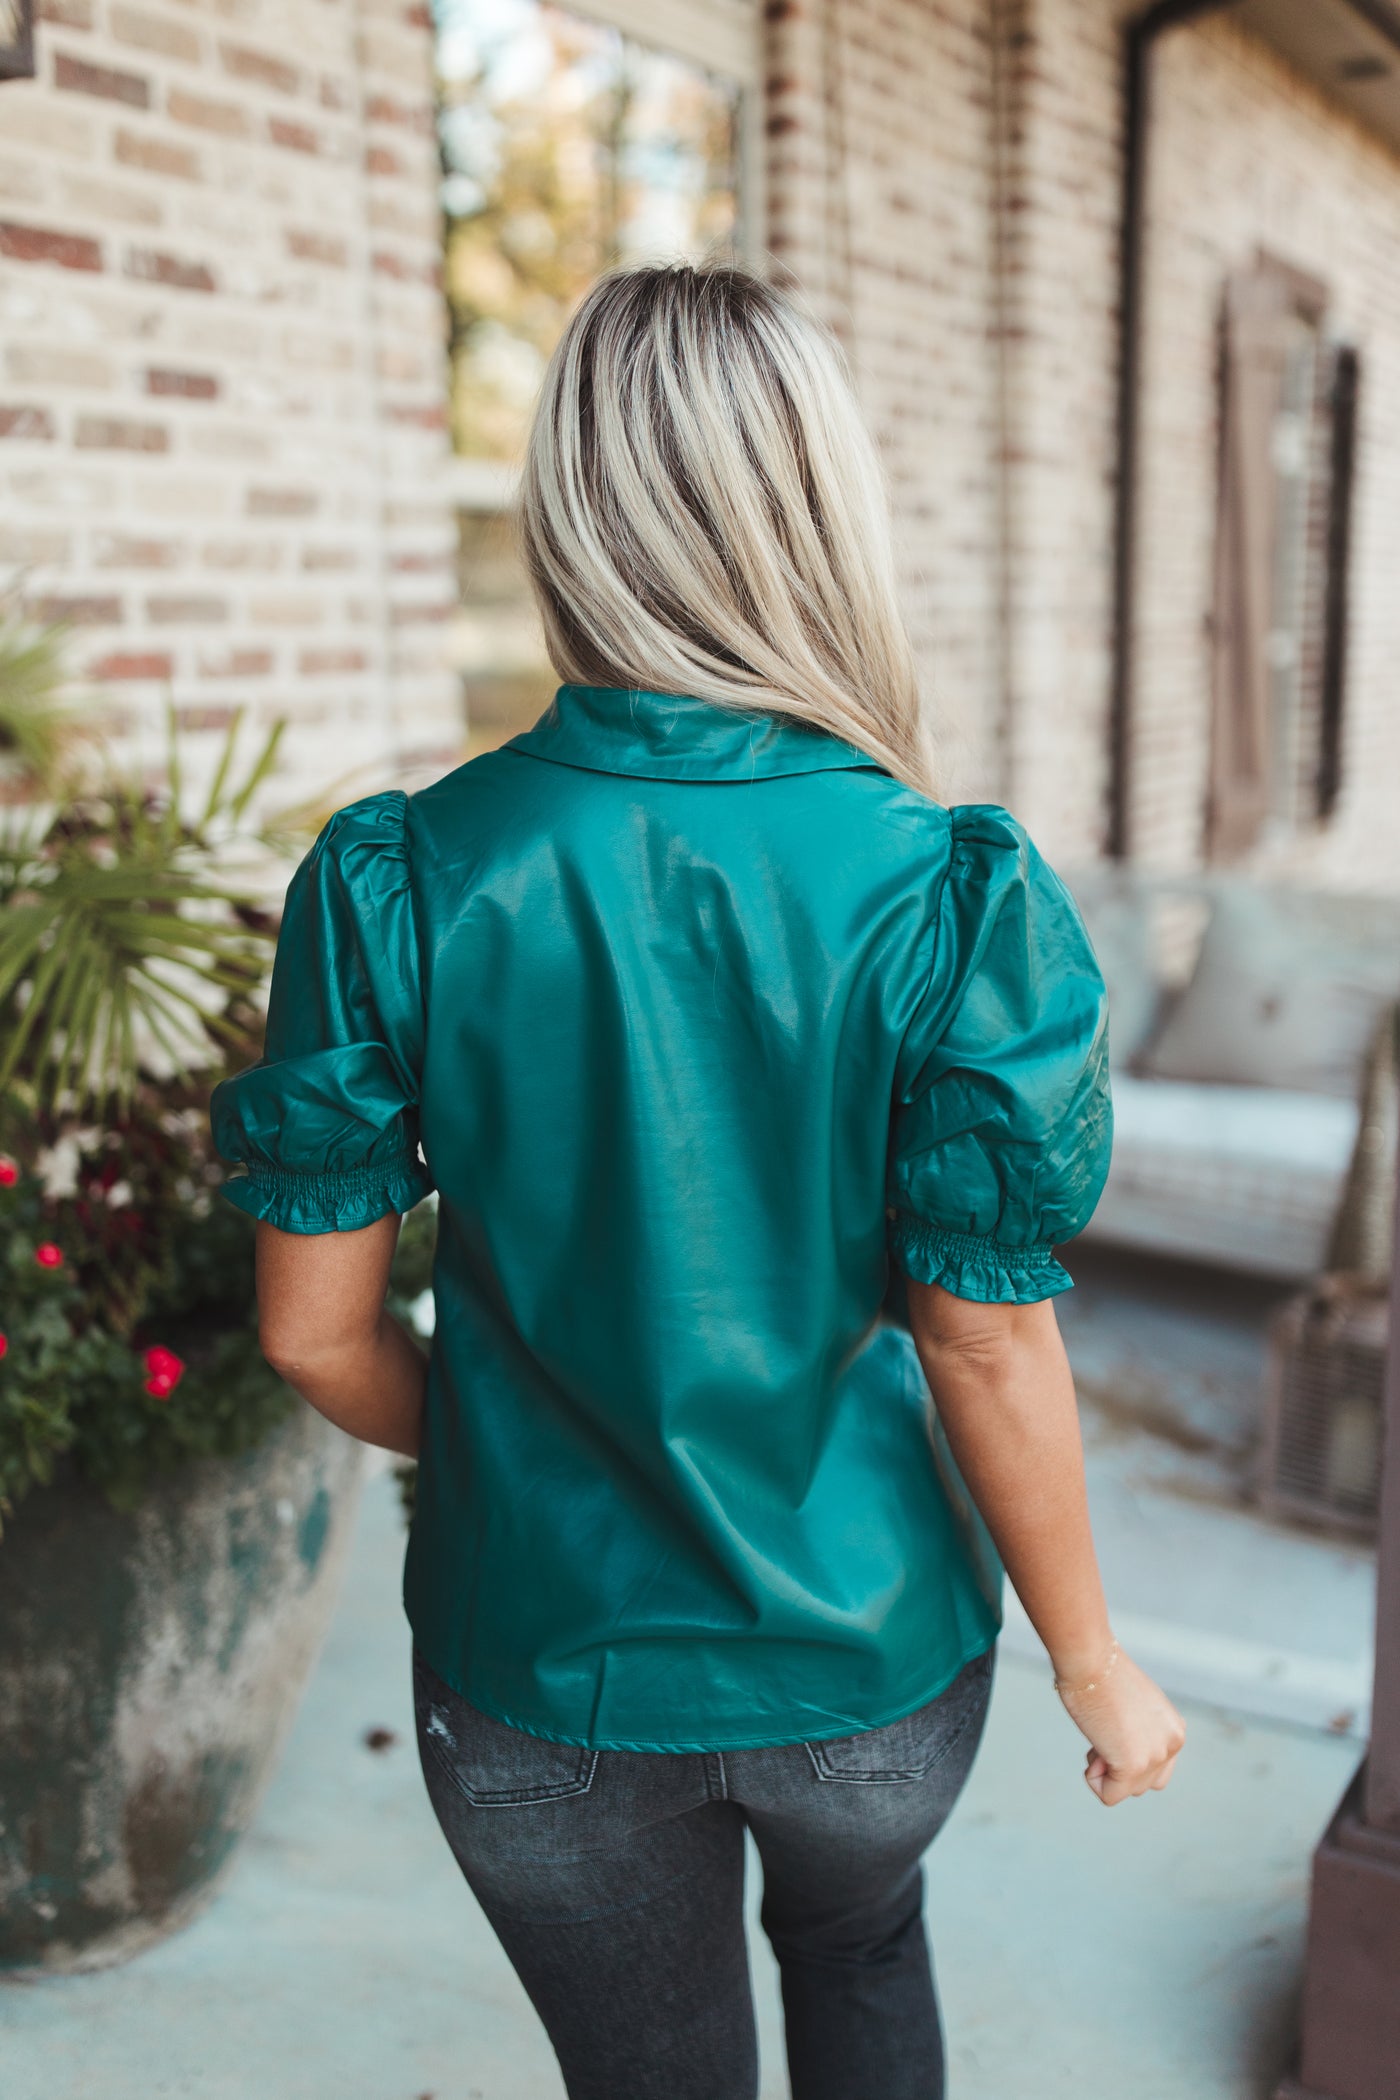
[[703, 512]]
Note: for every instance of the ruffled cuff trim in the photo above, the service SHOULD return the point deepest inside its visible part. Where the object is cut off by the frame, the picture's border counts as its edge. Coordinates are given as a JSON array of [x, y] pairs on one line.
[[981, 1269], [334, 1201]]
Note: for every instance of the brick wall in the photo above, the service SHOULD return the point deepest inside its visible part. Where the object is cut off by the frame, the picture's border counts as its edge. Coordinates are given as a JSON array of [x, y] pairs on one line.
[[879, 199], [1244, 153], [221, 373], [221, 392], [1061, 186], [1247, 154], [945, 176]]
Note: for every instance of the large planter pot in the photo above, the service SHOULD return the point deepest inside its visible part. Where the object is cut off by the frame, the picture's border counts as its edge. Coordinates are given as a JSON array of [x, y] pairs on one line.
[[149, 1669]]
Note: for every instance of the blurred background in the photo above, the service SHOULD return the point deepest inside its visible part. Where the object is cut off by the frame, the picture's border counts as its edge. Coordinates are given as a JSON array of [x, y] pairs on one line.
[[1118, 291]]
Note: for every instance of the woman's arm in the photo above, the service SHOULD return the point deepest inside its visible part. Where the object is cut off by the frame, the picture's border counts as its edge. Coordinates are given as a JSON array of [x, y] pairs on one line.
[[323, 1327], [1004, 1393]]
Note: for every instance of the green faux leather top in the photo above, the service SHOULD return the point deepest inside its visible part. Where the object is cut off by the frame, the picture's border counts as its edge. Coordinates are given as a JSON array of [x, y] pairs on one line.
[[701, 1019]]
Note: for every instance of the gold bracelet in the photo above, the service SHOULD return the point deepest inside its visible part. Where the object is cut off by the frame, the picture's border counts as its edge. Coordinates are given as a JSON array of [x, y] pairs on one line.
[[1094, 1682]]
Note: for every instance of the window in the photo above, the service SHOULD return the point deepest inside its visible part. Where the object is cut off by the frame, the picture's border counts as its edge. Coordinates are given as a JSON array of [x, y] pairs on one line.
[[16, 39], [1279, 628], [567, 146]]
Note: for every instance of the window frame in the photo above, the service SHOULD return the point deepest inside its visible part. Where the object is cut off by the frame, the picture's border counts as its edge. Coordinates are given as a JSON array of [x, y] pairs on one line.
[[724, 39], [1343, 413], [1244, 811]]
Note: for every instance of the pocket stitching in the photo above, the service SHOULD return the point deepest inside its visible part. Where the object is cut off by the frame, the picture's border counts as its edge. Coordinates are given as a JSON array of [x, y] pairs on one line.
[[888, 1776], [494, 1797], [514, 1797]]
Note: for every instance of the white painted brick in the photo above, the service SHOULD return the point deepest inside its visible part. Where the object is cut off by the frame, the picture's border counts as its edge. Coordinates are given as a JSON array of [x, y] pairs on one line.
[[209, 181], [305, 492]]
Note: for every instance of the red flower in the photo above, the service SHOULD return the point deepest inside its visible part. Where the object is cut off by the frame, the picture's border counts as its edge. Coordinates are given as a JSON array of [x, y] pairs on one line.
[[4, 1344], [164, 1370], [9, 1173], [48, 1256]]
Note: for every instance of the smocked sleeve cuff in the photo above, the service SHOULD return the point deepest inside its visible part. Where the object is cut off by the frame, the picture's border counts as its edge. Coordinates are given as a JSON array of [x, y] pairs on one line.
[[334, 1201], [984, 1270]]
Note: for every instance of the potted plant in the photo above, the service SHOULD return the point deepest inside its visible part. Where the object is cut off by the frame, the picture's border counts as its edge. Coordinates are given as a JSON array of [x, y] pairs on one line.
[[172, 1519]]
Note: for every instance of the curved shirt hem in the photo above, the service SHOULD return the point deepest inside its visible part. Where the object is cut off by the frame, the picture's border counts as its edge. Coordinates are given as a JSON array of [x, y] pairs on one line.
[[723, 1740]]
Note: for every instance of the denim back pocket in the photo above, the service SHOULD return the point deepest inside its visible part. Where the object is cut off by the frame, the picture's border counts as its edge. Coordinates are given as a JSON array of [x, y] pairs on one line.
[[917, 1743], [492, 1765]]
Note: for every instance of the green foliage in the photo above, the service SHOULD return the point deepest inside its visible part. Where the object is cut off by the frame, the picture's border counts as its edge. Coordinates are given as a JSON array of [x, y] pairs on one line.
[[150, 1259], [74, 1377], [226, 1402], [410, 1276], [130, 969], [412, 1270], [40, 725], [130, 966], [123, 952], [39, 1304], [200, 1302]]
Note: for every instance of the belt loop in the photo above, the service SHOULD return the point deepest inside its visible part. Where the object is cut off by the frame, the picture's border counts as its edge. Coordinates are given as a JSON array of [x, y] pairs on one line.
[[716, 1779]]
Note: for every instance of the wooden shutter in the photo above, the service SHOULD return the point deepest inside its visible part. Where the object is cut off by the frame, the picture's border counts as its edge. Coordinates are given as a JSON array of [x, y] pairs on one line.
[[1260, 306], [1346, 375]]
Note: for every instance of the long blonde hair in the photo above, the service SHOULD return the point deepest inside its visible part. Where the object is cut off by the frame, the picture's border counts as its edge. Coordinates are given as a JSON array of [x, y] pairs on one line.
[[703, 512]]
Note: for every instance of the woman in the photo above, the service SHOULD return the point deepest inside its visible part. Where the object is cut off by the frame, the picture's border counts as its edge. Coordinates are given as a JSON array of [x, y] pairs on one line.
[[709, 1018]]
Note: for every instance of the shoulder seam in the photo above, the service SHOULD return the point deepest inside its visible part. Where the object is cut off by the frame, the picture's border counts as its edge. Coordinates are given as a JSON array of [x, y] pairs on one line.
[[363, 807], [936, 915], [1004, 829]]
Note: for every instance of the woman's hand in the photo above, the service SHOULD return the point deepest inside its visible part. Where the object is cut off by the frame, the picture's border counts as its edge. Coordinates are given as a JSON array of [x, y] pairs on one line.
[[1134, 1731]]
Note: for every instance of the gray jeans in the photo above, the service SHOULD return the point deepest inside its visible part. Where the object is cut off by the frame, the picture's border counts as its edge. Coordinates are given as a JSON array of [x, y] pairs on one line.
[[614, 1880]]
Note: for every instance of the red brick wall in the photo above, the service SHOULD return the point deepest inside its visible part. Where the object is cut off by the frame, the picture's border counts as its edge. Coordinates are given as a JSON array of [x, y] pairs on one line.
[[880, 205], [1247, 154], [221, 386], [221, 371], [954, 204], [1062, 184]]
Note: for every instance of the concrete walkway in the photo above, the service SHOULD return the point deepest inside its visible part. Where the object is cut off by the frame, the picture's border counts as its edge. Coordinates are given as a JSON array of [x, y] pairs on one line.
[[1150, 1952]]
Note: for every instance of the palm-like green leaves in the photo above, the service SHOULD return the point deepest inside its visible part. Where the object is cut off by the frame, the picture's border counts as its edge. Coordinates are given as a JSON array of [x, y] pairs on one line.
[[38, 722], [132, 949], [123, 943]]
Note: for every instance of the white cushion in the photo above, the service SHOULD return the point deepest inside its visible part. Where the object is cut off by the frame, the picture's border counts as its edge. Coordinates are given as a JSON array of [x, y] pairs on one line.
[[1248, 1177], [1287, 992]]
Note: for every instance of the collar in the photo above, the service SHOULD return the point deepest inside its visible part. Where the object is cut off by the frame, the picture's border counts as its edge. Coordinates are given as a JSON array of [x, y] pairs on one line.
[[674, 736]]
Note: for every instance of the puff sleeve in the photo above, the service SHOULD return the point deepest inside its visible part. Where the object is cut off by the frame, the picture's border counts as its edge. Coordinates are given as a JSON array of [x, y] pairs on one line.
[[326, 1122], [1002, 1123]]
